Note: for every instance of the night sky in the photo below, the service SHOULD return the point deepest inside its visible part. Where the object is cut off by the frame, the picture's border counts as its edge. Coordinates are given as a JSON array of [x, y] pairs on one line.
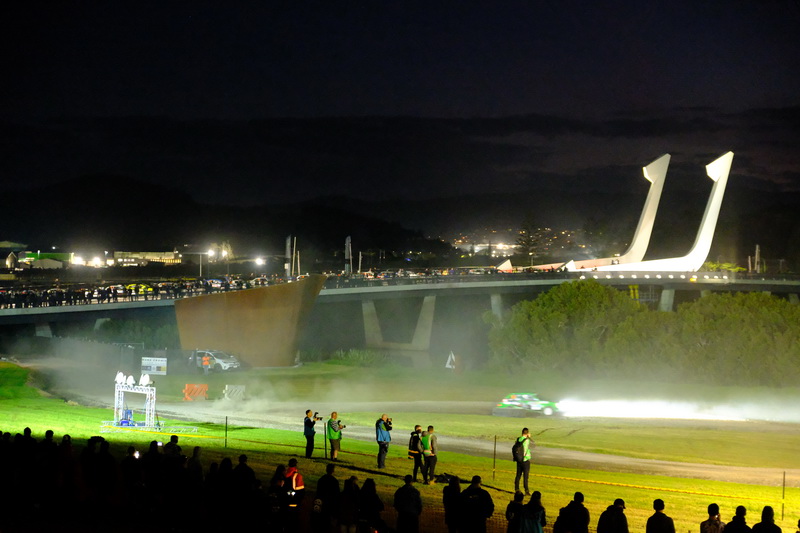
[[251, 102]]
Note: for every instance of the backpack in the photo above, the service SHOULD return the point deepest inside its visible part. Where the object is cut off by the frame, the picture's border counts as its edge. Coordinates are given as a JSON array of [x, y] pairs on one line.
[[518, 451]]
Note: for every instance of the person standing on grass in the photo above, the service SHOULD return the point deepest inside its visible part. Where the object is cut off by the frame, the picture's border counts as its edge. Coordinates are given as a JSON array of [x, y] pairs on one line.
[[309, 432], [767, 524], [334, 432], [415, 450], [514, 513], [429, 451], [476, 507], [451, 502], [713, 524], [524, 466], [613, 519], [382, 428], [408, 504], [534, 517], [660, 522], [738, 523]]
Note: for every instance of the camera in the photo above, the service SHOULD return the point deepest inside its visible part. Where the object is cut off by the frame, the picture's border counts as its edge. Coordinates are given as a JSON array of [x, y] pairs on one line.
[[316, 416], [342, 426]]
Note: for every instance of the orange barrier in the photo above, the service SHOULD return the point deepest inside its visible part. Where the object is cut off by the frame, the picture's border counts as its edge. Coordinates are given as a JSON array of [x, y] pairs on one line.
[[193, 392]]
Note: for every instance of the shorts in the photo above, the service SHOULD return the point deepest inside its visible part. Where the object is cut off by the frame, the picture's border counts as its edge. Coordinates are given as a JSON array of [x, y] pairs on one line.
[[335, 444]]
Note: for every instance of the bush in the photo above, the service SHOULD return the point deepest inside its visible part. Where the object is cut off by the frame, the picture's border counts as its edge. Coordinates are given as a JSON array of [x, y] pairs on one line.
[[356, 357]]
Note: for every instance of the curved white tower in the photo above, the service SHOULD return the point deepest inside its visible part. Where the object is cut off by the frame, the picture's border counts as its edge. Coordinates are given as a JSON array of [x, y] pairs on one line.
[[718, 171], [656, 174]]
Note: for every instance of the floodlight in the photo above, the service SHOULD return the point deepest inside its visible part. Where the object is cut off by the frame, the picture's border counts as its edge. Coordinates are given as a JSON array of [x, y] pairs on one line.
[[144, 380], [120, 379], [131, 382]]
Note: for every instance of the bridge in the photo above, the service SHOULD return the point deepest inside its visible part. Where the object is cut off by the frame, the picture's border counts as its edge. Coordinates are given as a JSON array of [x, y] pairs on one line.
[[419, 316]]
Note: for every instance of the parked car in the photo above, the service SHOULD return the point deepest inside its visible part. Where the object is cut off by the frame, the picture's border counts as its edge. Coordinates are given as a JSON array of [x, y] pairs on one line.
[[218, 361], [520, 404]]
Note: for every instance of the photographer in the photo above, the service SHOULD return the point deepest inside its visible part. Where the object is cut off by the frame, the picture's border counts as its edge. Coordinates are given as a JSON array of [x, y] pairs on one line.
[[309, 432], [382, 428], [334, 431]]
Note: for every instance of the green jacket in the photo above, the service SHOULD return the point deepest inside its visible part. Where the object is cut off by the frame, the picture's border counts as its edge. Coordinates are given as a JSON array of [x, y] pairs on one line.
[[526, 446], [333, 430]]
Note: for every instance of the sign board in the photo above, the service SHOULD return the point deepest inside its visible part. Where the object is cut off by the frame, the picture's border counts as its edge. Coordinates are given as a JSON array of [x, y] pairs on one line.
[[154, 366]]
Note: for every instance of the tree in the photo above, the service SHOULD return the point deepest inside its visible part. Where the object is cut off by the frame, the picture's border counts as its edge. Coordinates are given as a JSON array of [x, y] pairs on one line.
[[564, 329], [529, 239]]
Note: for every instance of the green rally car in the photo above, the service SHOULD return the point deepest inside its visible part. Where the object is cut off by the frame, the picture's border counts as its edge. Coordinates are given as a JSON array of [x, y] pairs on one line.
[[521, 404]]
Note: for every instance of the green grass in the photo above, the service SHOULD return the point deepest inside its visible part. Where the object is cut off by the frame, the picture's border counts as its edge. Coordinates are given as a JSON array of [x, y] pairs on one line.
[[21, 405]]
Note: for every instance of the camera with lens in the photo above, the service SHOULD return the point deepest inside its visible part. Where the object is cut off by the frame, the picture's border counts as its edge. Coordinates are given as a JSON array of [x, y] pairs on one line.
[[316, 416]]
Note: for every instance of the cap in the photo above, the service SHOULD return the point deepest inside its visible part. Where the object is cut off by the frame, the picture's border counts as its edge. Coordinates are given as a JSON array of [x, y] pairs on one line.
[[620, 501]]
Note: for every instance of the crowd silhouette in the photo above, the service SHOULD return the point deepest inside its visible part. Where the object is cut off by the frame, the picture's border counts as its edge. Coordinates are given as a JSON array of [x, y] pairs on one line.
[[55, 485]]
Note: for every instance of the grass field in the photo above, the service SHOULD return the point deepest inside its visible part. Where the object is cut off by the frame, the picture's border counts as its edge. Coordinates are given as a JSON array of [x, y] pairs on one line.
[[21, 406]]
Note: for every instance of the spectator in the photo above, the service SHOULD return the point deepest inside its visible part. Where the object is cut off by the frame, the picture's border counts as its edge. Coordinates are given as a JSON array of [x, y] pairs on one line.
[[767, 524], [738, 524], [660, 522], [382, 428], [514, 513], [524, 466], [430, 449], [415, 450], [348, 505], [371, 507], [574, 517], [326, 500], [451, 495], [408, 504], [476, 507], [713, 524], [534, 517], [613, 519]]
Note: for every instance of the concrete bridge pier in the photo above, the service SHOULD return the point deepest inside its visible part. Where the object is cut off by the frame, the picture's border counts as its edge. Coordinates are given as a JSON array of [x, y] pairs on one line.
[[667, 300], [419, 347], [43, 329], [497, 304]]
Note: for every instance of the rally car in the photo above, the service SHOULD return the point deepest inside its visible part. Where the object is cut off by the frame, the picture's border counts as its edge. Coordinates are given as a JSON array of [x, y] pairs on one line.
[[520, 404]]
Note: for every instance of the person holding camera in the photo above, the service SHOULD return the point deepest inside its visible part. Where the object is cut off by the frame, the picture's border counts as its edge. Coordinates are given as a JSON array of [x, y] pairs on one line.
[[382, 428], [309, 431], [334, 429]]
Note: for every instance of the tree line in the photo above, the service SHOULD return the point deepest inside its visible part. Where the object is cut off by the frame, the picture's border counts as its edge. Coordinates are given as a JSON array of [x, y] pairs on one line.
[[586, 329]]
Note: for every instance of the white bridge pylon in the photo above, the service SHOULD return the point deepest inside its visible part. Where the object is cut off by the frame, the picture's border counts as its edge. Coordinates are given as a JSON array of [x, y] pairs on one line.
[[718, 170], [656, 174]]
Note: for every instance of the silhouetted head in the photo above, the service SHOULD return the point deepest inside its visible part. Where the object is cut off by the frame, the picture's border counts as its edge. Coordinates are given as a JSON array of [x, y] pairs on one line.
[[292, 462], [767, 514], [619, 502], [518, 496], [476, 480], [369, 486], [409, 479], [536, 496], [658, 504], [713, 509], [741, 511], [578, 498]]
